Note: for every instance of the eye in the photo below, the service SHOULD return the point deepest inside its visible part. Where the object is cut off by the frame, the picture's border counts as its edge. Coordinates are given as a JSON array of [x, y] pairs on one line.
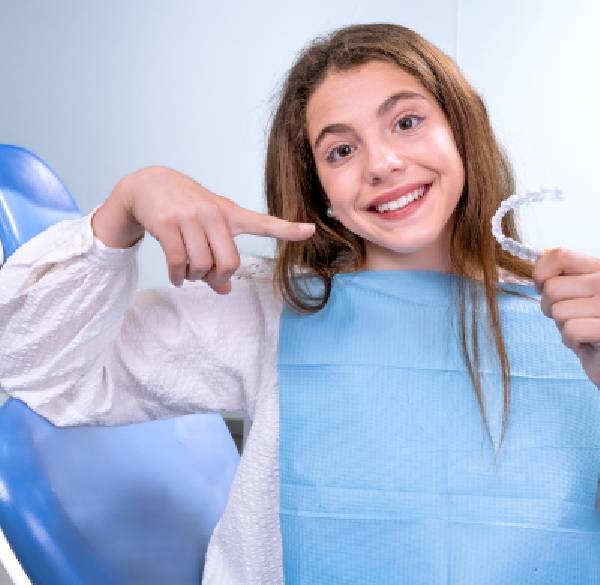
[[409, 122], [342, 151]]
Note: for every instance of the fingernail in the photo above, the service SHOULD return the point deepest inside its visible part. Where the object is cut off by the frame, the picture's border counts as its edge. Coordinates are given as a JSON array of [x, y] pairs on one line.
[[307, 227], [224, 288]]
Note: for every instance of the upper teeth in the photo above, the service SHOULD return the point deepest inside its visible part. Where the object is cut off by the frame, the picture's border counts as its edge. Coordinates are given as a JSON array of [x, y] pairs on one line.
[[402, 201]]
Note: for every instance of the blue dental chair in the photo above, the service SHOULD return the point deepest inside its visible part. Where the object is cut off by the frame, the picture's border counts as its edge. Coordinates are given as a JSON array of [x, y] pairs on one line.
[[127, 505]]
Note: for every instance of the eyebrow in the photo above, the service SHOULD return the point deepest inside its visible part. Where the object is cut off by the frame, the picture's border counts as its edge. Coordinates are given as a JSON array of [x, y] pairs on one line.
[[385, 107]]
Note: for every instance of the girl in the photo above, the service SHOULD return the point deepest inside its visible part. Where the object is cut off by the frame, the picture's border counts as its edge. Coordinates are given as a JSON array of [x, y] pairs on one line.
[[366, 461]]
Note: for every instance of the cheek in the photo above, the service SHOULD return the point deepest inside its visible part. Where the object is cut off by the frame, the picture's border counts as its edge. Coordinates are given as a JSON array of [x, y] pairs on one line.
[[339, 184], [448, 157]]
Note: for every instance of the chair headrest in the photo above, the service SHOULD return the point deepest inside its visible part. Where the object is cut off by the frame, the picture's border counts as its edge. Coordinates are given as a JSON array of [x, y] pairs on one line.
[[32, 198]]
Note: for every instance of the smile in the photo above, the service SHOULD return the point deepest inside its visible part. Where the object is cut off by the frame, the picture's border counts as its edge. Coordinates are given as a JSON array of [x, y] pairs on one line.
[[402, 201]]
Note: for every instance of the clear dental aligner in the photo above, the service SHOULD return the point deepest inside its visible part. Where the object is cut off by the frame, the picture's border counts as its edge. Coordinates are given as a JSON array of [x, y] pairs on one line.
[[513, 247]]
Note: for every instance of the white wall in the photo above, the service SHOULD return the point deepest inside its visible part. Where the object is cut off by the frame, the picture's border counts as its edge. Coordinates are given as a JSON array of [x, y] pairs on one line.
[[101, 88], [536, 64]]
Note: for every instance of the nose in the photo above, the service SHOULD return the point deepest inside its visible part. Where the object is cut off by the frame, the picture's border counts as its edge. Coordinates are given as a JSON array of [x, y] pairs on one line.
[[383, 161]]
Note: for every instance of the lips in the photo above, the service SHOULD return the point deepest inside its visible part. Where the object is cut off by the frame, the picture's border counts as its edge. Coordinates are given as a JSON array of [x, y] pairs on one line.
[[395, 194]]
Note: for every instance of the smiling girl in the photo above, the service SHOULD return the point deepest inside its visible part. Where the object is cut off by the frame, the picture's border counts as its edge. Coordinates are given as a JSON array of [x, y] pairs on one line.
[[380, 355], [399, 145]]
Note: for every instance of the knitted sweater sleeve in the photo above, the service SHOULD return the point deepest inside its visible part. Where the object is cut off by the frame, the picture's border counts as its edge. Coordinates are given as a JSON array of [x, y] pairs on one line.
[[80, 345]]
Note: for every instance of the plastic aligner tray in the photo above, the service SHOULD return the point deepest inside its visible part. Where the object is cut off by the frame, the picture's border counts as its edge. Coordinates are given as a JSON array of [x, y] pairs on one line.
[[519, 249], [513, 247]]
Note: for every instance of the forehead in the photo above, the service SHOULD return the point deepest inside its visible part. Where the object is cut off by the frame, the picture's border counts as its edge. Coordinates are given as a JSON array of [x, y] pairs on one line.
[[343, 95]]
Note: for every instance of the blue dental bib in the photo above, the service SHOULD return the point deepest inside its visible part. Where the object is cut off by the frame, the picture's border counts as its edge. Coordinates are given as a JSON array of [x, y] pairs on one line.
[[387, 475]]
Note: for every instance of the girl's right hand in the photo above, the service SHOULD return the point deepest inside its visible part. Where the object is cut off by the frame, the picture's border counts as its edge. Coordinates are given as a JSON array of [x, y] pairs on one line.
[[194, 226]]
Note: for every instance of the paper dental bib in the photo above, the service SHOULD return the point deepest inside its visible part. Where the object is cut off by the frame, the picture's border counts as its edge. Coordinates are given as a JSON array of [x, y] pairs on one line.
[[386, 474]]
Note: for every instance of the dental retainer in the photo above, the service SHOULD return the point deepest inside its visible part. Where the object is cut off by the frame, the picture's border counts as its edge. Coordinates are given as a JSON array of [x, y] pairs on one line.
[[519, 249], [513, 247]]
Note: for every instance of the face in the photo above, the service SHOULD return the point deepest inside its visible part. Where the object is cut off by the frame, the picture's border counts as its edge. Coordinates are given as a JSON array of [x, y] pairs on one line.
[[378, 136]]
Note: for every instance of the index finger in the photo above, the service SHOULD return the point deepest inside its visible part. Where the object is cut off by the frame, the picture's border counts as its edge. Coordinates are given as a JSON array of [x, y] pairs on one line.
[[246, 221]]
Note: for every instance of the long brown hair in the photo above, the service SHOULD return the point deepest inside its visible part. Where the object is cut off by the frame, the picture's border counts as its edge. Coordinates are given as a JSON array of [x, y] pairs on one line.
[[294, 191]]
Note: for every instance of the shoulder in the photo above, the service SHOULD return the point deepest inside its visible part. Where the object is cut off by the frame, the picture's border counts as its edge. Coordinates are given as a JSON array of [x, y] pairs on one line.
[[253, 284], [233, 321], [255, 268], [253, 272], [252, 294]]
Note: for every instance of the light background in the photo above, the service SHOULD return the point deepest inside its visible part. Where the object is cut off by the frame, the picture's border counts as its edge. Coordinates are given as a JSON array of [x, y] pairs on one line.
[[100, 89]]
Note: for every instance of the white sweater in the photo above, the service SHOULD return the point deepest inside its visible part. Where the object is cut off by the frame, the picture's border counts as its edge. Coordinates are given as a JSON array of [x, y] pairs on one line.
[[80, 346]]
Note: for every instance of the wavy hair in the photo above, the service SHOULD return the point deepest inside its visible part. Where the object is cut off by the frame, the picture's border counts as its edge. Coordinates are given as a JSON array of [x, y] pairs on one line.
[[294, 192]]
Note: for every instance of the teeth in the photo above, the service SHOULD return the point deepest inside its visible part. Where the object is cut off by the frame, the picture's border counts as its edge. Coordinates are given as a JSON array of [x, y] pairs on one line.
[[402, 201]]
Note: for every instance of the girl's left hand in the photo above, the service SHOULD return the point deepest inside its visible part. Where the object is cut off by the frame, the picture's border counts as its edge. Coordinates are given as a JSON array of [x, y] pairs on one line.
[[569, 283]]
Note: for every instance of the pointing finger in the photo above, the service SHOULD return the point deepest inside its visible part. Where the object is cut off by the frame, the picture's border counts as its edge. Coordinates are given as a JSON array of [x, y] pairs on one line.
[[245, 221]]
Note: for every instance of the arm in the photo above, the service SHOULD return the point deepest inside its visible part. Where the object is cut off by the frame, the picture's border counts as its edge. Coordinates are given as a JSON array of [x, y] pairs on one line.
[[81, 346]]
